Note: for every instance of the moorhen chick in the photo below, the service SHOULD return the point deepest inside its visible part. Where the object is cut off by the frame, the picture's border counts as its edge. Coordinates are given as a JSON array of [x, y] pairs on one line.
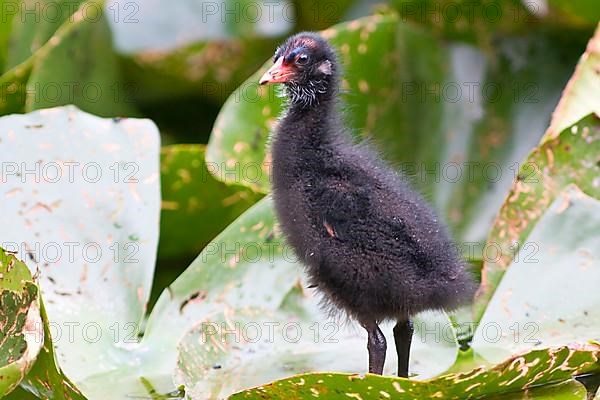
[[371, 245]]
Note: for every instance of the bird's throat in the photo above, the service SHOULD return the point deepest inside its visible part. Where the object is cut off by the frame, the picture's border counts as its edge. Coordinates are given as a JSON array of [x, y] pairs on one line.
[[305, 128], [314, 93]]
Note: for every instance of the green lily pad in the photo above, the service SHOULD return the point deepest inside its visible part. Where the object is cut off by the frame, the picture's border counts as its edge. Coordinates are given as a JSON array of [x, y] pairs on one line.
[[580, 97], [10, 9], [522, 315], [482, 21], [195, 206], [475, 22], [567, 155], [91, 80], [21, 330], [88, 219], [208, 69], [20, 394], [13, 88], [45, 379], [245, 347], [582, 13], [523, 372], [571, 158], [315, 15], [34, 22], [566, 390]]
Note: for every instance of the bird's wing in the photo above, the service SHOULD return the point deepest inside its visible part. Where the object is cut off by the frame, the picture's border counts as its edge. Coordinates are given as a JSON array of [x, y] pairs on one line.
[[343, 204]]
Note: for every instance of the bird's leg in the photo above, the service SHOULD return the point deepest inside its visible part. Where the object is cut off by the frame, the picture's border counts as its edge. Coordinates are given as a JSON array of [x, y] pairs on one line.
[[376, 345], [403, 332]]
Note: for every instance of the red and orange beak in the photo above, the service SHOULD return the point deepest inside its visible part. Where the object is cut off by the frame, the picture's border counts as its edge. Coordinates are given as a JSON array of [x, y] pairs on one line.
[[278, 73]]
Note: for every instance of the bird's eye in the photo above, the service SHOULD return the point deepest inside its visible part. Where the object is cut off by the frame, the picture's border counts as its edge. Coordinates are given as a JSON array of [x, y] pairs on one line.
[[302, 59]]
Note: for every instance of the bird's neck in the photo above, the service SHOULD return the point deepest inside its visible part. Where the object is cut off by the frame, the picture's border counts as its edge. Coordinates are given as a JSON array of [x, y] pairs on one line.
[[305, 137], [308, 126], [311, 117]]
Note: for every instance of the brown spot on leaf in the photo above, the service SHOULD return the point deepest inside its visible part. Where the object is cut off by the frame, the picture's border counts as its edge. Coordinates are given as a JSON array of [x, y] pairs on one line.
[[194, 297]]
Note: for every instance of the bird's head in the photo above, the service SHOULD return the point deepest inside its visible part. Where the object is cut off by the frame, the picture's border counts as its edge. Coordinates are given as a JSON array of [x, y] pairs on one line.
[[306, 64]]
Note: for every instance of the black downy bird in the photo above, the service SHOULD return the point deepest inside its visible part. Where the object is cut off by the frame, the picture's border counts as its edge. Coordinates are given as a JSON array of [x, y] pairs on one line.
[[371, 245]]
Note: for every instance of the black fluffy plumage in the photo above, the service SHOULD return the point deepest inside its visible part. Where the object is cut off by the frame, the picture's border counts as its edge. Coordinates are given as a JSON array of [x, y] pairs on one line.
[[372, 245]]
